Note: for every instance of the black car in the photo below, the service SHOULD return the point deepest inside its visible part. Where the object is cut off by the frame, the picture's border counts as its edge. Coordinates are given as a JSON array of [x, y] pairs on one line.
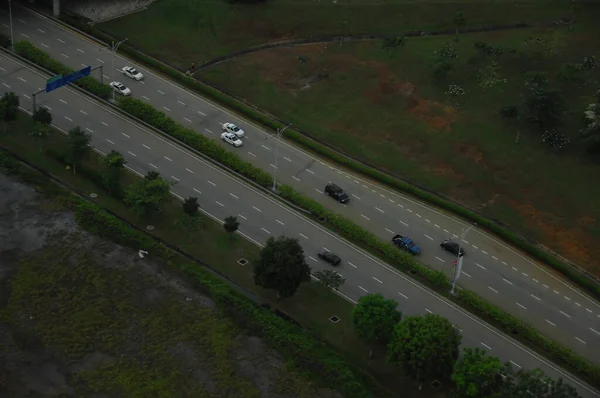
[[337, 193], [452, 247], [330, 258]]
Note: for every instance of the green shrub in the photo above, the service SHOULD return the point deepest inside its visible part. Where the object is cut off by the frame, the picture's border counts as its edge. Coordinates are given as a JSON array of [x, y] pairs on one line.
[[39, 57], [205, 145]]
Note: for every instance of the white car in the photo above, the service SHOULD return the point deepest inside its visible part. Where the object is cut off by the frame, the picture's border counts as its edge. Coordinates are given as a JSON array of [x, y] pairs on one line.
[[120, 88], [133, 73], [233, 129], [232, 139]]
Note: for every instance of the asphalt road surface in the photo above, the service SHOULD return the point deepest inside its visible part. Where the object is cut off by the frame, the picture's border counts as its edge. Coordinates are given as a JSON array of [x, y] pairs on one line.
[[222, 195], [490, 268]]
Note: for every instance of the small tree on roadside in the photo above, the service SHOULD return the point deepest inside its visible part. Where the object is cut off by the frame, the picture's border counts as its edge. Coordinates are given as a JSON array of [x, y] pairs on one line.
[[190, 223], [330, 279], [9, 108], [40, 133], [544, 108], [113, 164], [426, 347], [459, 22], [447, 52], [477, 375], [281, 266], [231, 225], [393, 42], [77, 146], [43, 116], [510, 114], [374, 318], [191, 206], [152, 175], [147, 196]]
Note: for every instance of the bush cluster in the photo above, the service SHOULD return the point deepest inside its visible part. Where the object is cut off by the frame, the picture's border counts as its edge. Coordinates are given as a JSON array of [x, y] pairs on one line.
[[357, 234], [39, 57], [304, 351]]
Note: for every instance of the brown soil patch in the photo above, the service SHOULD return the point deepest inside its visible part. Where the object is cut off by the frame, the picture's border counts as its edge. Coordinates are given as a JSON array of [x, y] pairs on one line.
[[390, 89], [471, 152], [572, 243]]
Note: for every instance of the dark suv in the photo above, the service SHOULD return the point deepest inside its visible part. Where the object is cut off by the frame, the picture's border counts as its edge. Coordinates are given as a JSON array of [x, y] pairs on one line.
[[337, 193]]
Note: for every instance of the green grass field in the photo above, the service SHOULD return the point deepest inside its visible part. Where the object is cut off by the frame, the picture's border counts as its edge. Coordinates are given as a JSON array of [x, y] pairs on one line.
[[182, 31], [382, 106], [311, 306]]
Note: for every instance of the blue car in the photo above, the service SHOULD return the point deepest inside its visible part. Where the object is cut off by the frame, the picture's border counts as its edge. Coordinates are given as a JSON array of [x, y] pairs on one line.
[[407, 244]]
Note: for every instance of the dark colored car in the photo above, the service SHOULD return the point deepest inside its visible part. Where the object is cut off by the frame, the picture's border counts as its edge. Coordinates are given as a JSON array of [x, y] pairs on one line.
[[330, 258], [407, 244], [337, 193], [452, 247]]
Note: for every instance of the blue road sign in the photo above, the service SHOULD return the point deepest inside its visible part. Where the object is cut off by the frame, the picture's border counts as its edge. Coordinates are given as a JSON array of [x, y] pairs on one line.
[[64, 80]]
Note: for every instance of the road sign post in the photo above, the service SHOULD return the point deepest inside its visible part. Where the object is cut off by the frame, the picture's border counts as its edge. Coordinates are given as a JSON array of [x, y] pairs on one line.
[[59, 80]]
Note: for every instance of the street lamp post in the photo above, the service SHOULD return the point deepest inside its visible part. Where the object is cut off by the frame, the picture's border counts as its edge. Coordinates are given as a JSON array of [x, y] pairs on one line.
[[279, 134], [12, 35], [459, 258], [113, 47]]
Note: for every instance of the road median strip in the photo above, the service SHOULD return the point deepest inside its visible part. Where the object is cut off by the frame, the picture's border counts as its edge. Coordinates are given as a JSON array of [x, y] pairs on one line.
[[404, 262]]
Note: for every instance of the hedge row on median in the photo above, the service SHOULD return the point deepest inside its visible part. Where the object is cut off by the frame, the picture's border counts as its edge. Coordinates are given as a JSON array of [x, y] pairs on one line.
[[299, 347], [355, 233], [511, 237], [39, 57]]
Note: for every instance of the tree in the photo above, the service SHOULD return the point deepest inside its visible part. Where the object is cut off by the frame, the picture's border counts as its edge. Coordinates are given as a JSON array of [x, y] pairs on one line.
[[190, 223], [536, 81], [490, 77], [281, 266], [447, 52], [231, 225], [191, 206], [544, 108], [477, 375], [459, 22], [426, 347], [330, 279], [43, 116], [572, 73], [147, 196], [510, 114], [9, 106], [393, 42], [441, 69], [113, 165], [152, 175], [77, 146], [39, 133], [374, 317], [534, 383], [554, 138]]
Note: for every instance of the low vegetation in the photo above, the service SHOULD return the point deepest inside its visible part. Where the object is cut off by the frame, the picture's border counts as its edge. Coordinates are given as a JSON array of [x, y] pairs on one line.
[[351, 231]]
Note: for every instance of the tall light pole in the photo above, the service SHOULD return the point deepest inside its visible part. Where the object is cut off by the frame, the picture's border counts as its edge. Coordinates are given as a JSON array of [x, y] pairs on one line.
[[12, 35], [279, 134], [113, 47], [459, 257]]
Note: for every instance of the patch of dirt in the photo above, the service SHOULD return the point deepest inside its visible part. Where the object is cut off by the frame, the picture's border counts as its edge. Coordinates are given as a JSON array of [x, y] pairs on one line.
[[572, 242], [472, 153], [97, 10], [30, 367]]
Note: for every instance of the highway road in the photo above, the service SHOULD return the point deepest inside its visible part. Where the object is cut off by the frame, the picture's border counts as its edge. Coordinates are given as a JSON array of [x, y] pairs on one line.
[[491, 269], [261, 217]]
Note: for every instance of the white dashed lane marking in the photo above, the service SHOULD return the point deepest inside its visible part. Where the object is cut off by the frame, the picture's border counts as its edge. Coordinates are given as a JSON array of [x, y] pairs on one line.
[[211, 183], [403, 295], [428, 237], [440, 259], [581, 341], [195, 190], [312, 258], [356, 196], [146, 146], [428, 310], [553, 324], [565, 314], [60, 40], [266, 231], [492, 289], [131, 153], [222, 205], [522, 306], [363, 289], [304, 236], [349, 263], [257, 209], [125, 135], [535, 297], [480, 266], [365, 217], [279, 222], [507, 281], [234, 196], [377, 280], [485, 345]]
